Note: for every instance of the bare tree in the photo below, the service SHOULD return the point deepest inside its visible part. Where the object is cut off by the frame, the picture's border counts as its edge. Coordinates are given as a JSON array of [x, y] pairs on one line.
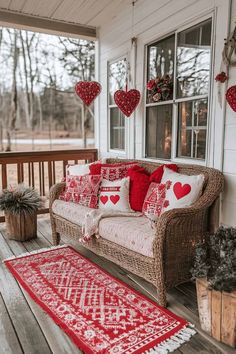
[[78, 58], [13, 108]]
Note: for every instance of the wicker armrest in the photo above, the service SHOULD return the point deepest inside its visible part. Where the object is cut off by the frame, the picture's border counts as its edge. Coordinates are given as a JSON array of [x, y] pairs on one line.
[[55, 191]]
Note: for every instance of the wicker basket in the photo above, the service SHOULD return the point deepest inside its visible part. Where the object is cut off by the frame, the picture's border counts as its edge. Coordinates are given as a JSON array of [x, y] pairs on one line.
[[21, 227]]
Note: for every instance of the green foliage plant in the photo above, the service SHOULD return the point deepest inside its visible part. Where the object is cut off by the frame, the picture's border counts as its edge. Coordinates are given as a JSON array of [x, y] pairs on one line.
[[215, 259], [20, 199]]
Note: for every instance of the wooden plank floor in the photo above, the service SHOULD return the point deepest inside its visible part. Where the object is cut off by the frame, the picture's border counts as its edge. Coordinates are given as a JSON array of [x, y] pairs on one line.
[[25, 328]]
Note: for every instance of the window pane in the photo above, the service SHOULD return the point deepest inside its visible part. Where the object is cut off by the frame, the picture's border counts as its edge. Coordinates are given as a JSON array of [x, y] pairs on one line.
[[199, 143], [192, 128], [117, 77], [161, 68], [117, 129], [159, 131], [193, 60]]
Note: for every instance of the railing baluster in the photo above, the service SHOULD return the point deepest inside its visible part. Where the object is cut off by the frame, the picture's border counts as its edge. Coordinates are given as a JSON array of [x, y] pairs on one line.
[[43, 178], [40, 179], [4, 176], [54, 171], [32, 172], [18, 173], [64, 167], [29, 174], [50, 174]]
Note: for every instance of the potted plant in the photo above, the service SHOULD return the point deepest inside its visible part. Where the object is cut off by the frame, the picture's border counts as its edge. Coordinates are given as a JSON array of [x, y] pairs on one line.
[[20, 205], [215, 273]]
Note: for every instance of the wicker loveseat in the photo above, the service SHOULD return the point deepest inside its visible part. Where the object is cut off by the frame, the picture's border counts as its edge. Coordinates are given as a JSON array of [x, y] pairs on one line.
[[174, 238]]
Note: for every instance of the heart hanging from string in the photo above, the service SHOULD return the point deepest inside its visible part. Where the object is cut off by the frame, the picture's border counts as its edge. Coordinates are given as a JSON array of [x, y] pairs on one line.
[[231, 97], [88, 91], [127, 101]]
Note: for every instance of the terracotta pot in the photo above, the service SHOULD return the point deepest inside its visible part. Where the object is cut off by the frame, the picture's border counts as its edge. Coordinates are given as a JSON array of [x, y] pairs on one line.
[[21, 227], [217, 312]]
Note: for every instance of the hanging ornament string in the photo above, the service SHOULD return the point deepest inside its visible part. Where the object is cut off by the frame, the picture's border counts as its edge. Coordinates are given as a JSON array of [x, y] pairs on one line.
[[128, 100], [227, 61]]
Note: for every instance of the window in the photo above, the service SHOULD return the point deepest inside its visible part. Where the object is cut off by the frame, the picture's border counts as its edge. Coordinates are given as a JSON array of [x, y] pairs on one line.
[[116, 76], [178, 75]]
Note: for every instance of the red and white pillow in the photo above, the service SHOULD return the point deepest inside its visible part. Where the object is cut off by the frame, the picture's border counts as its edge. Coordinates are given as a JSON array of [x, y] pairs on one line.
[[81, 169], [111, 172], [82, 190], [155, 202], [184, 189], [114, 195]]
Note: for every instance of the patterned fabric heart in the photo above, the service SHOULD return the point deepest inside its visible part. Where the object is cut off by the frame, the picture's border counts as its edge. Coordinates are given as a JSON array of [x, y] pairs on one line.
[[231, 97], [88, 91], [181, 190], [127, 101]]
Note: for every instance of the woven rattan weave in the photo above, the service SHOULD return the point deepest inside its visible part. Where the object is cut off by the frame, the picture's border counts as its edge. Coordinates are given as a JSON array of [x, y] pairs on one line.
[[177, 232]]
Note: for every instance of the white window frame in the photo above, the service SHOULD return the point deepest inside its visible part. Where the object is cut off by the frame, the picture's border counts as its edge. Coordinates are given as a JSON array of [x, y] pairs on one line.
[[109, 106], [174, 102]]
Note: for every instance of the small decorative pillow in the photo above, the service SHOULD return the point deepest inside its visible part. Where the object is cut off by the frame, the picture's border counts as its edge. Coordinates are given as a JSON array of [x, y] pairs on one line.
[[81, 169], [184, 190], [114, 195], [111, 171], [115, 172], [82, 190], [78, 169], [139, 184], [155, 202]]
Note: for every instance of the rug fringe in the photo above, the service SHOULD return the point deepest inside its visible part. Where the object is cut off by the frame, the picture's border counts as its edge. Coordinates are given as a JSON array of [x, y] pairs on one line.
[[25, 254], [175, 341]]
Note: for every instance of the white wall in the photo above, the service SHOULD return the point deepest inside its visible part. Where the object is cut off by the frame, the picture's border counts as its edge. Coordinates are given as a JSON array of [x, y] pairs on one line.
[[152, 20], [229, 157]]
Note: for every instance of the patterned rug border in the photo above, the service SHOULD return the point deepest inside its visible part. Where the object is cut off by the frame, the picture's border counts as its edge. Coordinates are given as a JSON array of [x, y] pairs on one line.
[[176, 339]]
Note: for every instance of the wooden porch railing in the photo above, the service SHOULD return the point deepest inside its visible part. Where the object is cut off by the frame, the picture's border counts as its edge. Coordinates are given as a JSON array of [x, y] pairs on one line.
[[40, 169]]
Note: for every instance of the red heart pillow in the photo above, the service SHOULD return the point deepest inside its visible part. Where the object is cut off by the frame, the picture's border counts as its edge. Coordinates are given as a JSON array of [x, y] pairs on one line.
[[114, 195]]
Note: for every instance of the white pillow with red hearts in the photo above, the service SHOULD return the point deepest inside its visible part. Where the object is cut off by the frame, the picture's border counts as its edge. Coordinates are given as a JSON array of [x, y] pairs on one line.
[[184, 190], [114, 195]]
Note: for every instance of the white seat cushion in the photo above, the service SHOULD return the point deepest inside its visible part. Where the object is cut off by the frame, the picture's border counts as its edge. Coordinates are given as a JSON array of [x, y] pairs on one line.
[[70, 211], [134, 233]]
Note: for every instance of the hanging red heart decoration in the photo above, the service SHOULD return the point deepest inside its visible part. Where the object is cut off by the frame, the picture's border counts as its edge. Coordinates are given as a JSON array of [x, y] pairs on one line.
[[88, 91], [127, 101], [231, 97]]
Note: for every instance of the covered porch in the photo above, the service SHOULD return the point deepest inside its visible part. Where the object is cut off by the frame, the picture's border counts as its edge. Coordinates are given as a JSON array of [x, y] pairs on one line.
[[135, 42]]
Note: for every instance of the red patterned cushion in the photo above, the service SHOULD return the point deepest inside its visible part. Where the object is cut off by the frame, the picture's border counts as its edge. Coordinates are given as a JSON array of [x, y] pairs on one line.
[[112, 172], [155, 201], [82, 190], [156, 175], [139, 184]]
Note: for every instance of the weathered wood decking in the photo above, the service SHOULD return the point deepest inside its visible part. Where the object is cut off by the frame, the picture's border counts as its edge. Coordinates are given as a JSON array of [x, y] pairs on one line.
[[25, 328]]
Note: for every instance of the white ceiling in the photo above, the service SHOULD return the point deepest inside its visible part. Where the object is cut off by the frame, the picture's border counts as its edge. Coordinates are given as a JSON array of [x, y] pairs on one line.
[[84, 12]]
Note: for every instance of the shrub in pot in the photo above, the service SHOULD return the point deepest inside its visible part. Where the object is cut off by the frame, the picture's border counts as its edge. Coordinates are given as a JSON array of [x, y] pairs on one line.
[[20, 205], [215, 273]]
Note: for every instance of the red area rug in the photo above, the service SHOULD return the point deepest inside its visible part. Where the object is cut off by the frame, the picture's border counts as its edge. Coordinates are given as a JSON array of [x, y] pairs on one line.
[[98, 312]]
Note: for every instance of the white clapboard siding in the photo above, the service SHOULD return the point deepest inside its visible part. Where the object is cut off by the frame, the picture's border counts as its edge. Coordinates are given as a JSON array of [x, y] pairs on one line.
[[229, 167]]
